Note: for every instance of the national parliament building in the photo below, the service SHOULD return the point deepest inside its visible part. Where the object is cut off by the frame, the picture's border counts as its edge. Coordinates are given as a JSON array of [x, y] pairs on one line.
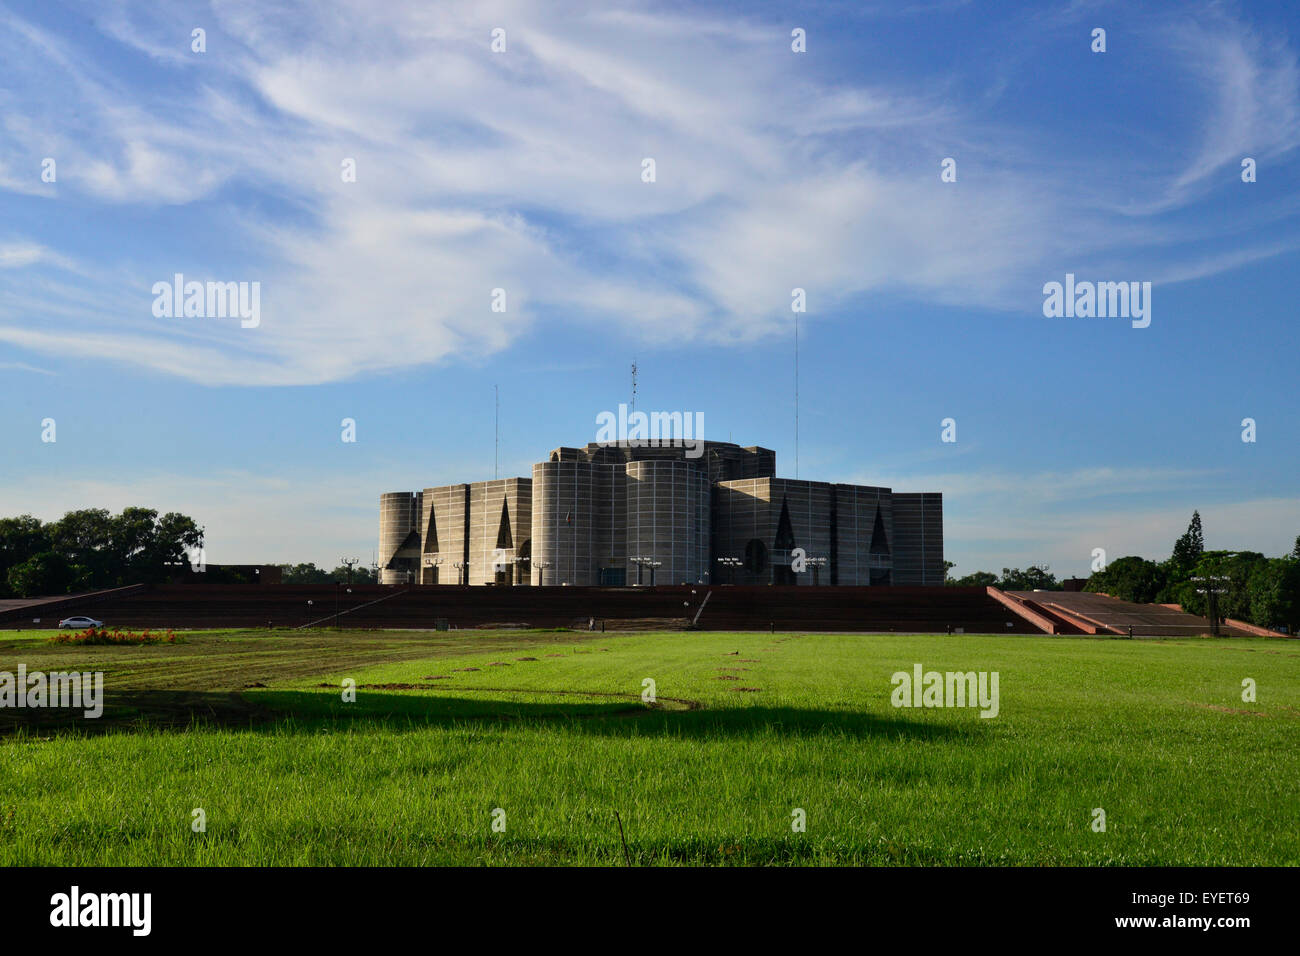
[[616, 514]]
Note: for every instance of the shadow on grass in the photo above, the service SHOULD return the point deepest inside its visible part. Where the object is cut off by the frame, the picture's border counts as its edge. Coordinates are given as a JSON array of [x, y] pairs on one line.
[[278, 711]]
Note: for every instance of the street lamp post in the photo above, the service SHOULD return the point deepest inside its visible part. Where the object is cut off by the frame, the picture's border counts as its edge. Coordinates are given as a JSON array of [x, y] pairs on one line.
[[462, 572], [643, 562], [731, 564], [1215, 584], [541, 567], [816, 564], [349, 563]]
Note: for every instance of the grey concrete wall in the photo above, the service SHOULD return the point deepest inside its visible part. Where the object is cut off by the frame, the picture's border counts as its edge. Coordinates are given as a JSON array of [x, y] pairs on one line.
[[399, 515], [487, 500], [742, 513], [611, 516], [856, 507], [918, 538], [809, 506], [444, 513], [668, 520], [566, 520]]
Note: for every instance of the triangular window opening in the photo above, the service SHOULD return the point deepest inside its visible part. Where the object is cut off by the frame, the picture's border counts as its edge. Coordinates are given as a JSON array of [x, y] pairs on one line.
[[879, 542], [431, 534], [504, 538], [784, 531]]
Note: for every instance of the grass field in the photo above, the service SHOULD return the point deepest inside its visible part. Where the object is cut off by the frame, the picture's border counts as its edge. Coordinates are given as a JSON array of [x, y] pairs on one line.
[[550, 727]]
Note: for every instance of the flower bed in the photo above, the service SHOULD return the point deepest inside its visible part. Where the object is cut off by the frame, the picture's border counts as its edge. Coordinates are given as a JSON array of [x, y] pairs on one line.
[[103, 635]]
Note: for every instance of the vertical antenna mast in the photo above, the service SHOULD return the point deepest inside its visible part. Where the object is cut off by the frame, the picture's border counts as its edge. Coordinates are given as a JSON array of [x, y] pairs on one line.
[[496, 422], [796, 395], [632, 408]]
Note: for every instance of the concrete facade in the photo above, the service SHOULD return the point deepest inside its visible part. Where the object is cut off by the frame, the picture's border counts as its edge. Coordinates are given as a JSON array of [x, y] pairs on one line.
[[588, 514], [579, 524], [918, 522], [761, 521], [399, 535], [478, 533], [668, 520]]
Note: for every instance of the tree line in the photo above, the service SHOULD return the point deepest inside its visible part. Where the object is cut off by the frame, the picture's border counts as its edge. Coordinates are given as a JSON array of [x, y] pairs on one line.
[[1255, 588], [1037, 577], [93, 548], [310, 574]]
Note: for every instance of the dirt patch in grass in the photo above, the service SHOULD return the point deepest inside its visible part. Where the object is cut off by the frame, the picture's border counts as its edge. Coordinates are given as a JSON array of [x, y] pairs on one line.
[[747, 690], [677, 703]]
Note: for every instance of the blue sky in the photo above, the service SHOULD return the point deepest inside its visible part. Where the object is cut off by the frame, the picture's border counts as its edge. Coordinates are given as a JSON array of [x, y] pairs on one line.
[[774, 170]]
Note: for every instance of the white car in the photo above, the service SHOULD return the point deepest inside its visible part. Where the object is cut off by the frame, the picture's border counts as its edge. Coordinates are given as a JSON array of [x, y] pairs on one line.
[[80, 623]]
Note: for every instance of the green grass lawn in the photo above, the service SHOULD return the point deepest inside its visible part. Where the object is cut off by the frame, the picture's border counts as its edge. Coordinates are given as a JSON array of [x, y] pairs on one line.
[[550, 727]]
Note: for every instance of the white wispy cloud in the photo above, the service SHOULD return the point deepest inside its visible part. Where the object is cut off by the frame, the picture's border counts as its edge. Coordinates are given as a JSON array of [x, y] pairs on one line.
[[17, 255], [24, 367], [479, 171]]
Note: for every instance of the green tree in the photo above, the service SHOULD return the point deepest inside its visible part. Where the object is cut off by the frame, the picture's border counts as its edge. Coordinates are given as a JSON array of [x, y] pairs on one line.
[[41, 575], [20, 539], [360, 574], [1233, 600], [1036, 577], [148, 546], [976, 579], [1188, 549], [1275, 593], [305, 574], [85, 539], [1130, 579], [100, 549]]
